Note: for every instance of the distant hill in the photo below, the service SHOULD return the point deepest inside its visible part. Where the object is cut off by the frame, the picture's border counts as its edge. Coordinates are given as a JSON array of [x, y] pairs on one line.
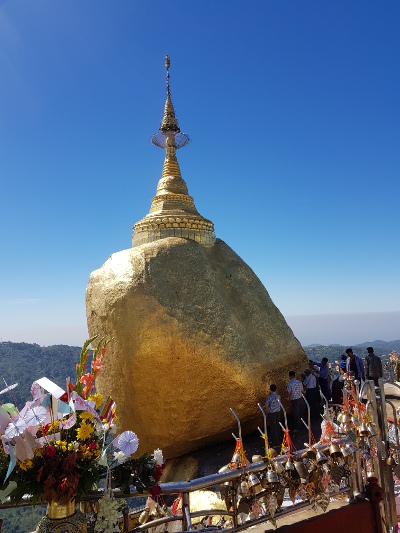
[[333, 351], [23, 363]]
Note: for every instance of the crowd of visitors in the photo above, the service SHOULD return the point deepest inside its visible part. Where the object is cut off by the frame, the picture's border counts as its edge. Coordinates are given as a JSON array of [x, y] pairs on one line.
[[318, 387]]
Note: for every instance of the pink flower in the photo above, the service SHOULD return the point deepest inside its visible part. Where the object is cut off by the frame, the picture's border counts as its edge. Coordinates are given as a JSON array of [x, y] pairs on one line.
[[97, 364]]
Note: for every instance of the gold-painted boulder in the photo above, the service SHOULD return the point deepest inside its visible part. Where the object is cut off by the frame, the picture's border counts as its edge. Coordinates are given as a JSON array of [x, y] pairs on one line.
[[194, 333]]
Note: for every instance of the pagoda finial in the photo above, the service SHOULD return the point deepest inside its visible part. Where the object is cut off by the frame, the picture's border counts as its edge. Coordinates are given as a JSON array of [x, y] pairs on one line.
[[170, 133], [172, 212], [167, 65]]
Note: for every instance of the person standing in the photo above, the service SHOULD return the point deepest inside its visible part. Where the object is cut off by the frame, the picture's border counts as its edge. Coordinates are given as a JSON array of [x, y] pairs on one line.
[[310, 383], [338, 384], [295, 390], [373, 366], [354, 364], [274, 412], [324, 378]]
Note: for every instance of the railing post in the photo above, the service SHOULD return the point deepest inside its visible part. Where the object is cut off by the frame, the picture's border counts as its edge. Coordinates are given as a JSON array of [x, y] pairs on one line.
[[375, 496], [390, 501], [186, 521], [234, 506], [125, 513]]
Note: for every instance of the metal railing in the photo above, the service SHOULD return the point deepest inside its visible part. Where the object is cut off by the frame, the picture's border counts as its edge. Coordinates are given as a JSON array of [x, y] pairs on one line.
[[184, 488]]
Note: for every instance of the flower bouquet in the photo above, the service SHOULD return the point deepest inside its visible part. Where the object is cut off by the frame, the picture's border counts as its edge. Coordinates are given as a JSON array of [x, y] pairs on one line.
[[62, 443]]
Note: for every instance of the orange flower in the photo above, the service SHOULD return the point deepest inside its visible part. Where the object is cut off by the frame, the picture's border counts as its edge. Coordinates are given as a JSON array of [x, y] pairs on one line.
[[88, 381]]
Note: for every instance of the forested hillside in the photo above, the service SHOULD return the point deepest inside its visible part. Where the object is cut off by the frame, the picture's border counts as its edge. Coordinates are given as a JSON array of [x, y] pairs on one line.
[[23, 363]]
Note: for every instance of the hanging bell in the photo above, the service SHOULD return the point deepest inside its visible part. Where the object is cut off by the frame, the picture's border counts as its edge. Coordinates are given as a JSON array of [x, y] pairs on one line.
[[278, 467], [339, 417], [243, 489], [363, 430], [254, 483], [310, 453], [390, 461], [372, 430], [345, 451], [256, 458], [236, 460], [301, 469], [144, 516], [272, 476], [224, 469], [289, 465], [345, 419], [334, 451], [321, 458]]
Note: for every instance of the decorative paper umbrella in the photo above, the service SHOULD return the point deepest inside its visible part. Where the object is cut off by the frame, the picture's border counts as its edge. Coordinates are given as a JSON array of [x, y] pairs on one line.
[[14, 428], [35, 416], [10, 387], [128, 442]]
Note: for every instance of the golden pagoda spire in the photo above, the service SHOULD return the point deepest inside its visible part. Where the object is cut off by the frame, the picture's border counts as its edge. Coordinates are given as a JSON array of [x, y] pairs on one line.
[[172, 212]]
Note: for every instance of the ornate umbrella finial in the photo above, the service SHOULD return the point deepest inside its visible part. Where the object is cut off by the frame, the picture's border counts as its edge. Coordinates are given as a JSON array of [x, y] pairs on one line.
[[170, 133]]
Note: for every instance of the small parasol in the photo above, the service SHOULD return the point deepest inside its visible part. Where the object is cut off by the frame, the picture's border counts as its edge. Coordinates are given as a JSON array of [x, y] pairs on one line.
[[15, 428], [128, 442], [35, 416]]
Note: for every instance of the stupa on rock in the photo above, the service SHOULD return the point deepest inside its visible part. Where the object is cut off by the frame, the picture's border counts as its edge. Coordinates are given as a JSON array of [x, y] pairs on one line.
[[172, 212], [194, 330]]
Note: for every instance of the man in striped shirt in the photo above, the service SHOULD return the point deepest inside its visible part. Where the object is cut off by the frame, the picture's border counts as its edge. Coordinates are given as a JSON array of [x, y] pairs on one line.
[[274, 412], [295, 390]]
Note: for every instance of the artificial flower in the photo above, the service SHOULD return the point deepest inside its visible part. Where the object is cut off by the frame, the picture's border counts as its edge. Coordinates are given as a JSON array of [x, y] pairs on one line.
[[50, 451], [97, 364], [85, 415], [120, 457], [84, 431], [158, 456], [88, 381], [97, 399]]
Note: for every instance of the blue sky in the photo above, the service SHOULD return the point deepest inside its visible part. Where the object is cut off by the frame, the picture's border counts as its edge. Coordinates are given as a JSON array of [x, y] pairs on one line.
[[293, 111]]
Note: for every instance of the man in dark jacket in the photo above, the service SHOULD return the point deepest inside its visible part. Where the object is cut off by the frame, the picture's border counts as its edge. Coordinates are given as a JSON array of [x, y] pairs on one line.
[[354, 364], [373, 366]]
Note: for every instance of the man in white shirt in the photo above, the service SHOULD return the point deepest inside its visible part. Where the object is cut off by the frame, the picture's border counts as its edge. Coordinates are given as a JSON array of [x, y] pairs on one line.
[[295, 390], [310, 383]]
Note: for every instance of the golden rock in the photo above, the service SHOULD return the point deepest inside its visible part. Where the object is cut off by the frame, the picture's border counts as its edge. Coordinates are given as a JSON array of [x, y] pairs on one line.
[[195, 333]]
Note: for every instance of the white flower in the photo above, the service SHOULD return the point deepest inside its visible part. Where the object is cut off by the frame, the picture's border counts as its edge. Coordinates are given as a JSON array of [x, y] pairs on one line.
[[98, 428], [120, 457], [113, 428], [107, 517], [158, 456]]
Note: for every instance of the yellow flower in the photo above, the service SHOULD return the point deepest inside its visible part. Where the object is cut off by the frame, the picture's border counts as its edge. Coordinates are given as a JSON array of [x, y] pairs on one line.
[[70, 447], [97, 399], [39, 452], [26, 465], [53, 427], [85, 415], [85, 431]]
